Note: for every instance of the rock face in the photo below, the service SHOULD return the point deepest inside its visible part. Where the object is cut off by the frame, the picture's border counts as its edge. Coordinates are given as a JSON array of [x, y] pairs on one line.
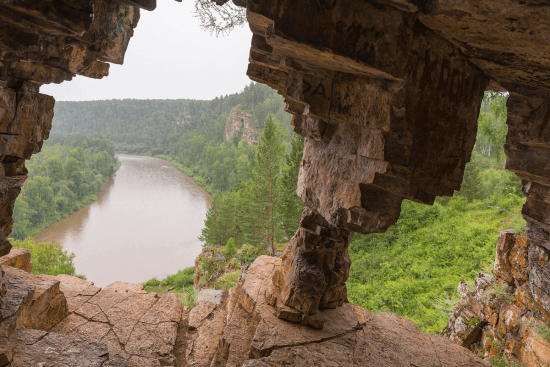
[[124, 326], [19, 258], [241, 329], [500, 313], [387, 94], [241, 121]]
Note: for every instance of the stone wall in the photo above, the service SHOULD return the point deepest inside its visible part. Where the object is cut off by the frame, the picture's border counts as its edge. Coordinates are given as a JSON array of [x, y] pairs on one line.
[[241, 121]]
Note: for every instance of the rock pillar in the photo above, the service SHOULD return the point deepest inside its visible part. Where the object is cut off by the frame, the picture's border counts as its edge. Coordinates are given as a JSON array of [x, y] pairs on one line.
[[389, 110]]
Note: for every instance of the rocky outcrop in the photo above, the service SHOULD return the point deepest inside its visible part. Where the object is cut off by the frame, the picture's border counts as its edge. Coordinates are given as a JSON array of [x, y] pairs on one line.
[[500, 314], [19, 258], [387, 94], [29, 307], [240, 328], [241, 121], [122, 325]]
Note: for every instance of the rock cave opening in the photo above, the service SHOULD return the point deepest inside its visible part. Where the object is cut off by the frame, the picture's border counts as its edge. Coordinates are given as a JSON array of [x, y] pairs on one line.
[[387, 95]]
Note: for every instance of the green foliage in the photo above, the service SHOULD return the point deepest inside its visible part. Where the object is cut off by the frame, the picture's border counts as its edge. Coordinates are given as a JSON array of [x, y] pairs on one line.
[[492, 124], [189, 297], [424, 256], [153, 282], [290, 206], [188, 133], [501, 361], [65, 176], [544, 331], [498, 292], [228, 280], [48, 258], [181, 279], [262, 224], [229, 248]]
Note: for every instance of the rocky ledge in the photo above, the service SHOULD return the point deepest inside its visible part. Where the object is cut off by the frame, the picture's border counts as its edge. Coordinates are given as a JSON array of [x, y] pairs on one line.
[[502, 313], [64, 320]]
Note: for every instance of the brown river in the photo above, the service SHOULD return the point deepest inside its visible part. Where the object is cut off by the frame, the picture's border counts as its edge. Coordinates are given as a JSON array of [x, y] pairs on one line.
[[144, 224]]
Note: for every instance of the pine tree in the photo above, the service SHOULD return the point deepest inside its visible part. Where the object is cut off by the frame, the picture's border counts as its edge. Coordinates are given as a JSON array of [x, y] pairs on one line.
[[471, 182], [290, 205], [262, 221]]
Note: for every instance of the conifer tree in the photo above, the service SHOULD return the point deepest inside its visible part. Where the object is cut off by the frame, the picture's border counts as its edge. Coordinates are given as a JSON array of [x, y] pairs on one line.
[[262, 221], [290, 205]]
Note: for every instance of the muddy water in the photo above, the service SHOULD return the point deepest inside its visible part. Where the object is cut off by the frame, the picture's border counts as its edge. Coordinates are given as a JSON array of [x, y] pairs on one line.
[[145, 224]]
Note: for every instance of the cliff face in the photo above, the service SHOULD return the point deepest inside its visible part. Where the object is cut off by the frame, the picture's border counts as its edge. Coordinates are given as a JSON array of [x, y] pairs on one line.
[[501, 313], [387, 94], [241, 121]]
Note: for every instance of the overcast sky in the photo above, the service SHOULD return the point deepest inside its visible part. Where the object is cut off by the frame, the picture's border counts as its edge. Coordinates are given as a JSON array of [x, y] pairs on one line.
[[170, 56]]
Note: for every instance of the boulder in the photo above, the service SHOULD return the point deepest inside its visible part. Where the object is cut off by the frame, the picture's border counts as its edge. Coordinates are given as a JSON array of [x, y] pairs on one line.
[[19, 258], [253, 335]]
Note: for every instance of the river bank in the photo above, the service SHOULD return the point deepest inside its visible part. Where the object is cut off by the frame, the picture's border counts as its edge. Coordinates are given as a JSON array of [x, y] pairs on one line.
[[145, 223]]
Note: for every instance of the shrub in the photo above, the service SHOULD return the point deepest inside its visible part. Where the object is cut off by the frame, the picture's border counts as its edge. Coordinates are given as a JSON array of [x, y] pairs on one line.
[[180, 279], [151, 283], [48, 258], [229, 248], [189, 297]]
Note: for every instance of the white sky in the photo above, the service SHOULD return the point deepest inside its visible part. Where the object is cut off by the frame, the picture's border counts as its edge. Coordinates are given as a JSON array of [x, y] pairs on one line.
[[169, 57]]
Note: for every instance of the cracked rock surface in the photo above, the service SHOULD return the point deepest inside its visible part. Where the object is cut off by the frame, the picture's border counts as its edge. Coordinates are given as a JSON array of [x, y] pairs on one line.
[[351, 336], [139, 326]]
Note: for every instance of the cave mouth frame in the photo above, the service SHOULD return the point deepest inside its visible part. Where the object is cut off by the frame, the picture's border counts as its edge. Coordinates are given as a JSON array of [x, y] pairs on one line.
[[388, 115]]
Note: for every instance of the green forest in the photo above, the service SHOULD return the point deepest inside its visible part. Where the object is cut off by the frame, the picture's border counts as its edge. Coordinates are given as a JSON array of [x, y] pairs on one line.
[[65, 176], [188, 133], [413, 269]]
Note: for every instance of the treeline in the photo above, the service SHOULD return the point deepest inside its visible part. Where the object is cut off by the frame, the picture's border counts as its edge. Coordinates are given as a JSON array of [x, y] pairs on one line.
[[263, 209], [189, 133], [65, 176]]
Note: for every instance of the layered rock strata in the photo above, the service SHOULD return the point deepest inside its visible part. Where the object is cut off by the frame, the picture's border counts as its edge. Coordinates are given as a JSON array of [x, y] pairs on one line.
[[387, 94], [500, 314]]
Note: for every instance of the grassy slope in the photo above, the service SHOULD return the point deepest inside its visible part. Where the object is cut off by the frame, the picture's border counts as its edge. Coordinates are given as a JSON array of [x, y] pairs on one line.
[[421, 259]]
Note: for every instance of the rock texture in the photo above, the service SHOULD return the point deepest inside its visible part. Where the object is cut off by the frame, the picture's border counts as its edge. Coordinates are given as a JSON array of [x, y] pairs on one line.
[[241, 328], [500, 313], [139, 326], [19, 258], [124, 326], [387, 94], [241, 121], [29, 307]]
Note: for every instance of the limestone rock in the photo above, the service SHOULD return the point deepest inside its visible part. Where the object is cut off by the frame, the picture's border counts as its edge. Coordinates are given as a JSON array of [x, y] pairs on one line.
[[32, 348], [19, 258], [500, 314], [241, 121]]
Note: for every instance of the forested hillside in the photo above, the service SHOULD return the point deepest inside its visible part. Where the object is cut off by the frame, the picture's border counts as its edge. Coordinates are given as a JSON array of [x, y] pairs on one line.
[[187, 132], [64, 177]]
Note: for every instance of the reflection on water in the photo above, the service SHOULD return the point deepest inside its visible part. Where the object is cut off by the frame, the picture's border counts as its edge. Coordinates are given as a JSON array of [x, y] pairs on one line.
[[145, 224]]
